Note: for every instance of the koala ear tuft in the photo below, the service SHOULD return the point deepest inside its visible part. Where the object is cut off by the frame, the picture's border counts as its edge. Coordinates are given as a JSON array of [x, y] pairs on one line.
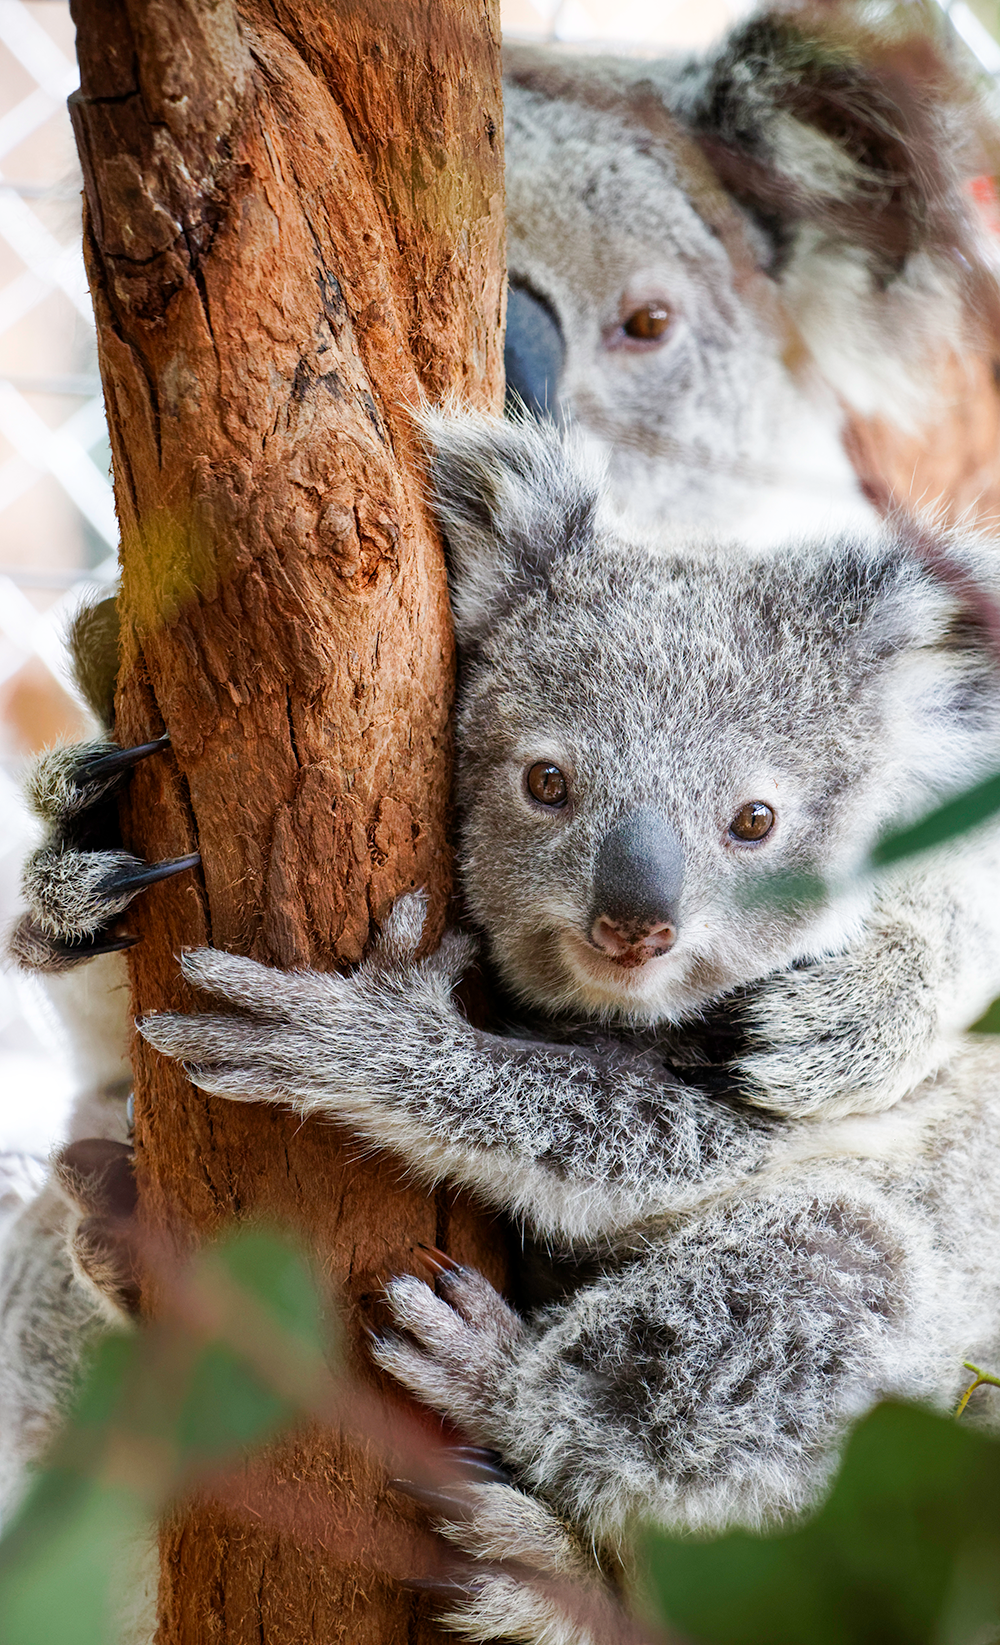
[[922, 617], [868, 136], [510, 497]]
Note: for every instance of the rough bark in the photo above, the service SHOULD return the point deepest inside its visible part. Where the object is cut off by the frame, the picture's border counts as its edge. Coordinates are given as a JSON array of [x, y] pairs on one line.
[[293, 226]]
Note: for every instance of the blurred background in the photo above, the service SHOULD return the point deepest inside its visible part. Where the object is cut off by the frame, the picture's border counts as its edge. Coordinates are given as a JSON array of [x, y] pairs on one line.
[[57, 522]]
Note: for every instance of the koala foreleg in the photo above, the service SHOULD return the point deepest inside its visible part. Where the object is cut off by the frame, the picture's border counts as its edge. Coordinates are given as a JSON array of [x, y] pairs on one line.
[[706, 1383], [574, 1140], [855, 1031]]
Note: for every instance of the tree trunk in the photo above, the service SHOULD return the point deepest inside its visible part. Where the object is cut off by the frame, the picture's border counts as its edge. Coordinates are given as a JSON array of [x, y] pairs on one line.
[[293, 225]]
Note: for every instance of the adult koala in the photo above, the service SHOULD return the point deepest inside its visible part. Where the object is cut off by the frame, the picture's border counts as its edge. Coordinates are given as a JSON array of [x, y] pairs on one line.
[[712, 259]]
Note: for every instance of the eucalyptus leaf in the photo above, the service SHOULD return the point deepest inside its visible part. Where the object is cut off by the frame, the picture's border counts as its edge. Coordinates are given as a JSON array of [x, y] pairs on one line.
[[156, 1408], [976, 805], [906, 1551]]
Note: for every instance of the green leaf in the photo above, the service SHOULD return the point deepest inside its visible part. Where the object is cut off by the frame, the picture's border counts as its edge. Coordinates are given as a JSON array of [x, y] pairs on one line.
[[61, 1569], [989, 1022], [906, 1551], [788, 890], [956, 817], [226, 1408], [273, 1271], [154, 1409]]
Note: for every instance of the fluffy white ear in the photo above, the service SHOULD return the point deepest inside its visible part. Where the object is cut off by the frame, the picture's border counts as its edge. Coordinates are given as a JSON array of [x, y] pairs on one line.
[[510, 496], [931, 626]]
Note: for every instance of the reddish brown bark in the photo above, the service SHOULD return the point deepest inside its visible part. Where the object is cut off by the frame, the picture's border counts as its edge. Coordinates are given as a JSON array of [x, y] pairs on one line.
[[293, 225]]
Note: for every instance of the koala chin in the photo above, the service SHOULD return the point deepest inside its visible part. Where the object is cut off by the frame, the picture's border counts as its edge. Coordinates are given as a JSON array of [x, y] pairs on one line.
[[748, 1116]]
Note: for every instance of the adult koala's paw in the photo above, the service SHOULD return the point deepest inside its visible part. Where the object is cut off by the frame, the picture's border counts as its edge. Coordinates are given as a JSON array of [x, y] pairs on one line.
[[80, 881], [96, 1178], [320, 1042], [849, 1034]]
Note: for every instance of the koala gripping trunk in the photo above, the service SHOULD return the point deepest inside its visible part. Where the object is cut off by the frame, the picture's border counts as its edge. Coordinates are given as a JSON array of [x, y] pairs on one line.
[[293, 227]]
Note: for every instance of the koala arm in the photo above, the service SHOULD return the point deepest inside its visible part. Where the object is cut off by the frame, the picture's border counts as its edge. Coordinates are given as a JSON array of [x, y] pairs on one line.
[[855, 1031], [704, 1383], [47, 1320], [575, 1140]]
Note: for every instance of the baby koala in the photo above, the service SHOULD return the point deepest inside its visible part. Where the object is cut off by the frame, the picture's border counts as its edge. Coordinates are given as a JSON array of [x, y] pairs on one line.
[[649, 739]]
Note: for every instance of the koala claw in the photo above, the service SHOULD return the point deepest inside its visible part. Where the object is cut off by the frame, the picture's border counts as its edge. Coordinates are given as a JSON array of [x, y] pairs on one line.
[[454, 1344], [152, 873], [484, 1465], [79, 881], [35, 950], [442, 1587], [98, 768], [435, 1261]]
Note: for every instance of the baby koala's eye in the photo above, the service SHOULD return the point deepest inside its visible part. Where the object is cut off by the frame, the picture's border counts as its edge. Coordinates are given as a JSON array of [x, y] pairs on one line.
[[648, 323], [752, 821], [547, 785]]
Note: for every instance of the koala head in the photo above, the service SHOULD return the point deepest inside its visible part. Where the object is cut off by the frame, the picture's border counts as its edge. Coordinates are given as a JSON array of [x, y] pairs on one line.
[[709, 257], [648, 732]]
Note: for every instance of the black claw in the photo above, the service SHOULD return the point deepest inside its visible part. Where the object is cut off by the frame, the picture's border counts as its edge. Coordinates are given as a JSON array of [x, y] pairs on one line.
[[154, 872], [449, 1504], [87, 947], [481, 1463], [108, 765], [442, 1587]]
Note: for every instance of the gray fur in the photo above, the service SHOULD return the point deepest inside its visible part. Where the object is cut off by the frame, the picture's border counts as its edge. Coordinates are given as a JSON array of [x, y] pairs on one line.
[[50, 1304], [773, 1252]]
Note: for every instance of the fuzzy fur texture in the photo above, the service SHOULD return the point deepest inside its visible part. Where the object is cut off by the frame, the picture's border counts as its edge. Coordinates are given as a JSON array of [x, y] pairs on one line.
[[777, 1242]]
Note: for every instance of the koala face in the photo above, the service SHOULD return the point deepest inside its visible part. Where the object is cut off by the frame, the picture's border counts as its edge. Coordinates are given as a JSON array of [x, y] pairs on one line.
[[710, 258], [637, 749], [630, 315], [648, 733]]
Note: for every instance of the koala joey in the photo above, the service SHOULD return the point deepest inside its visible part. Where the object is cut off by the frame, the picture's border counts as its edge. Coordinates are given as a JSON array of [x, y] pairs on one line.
[[711, 258], [648, 734]]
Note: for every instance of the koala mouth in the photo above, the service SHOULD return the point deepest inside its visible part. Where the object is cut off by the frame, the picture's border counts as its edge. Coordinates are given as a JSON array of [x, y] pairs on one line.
[[600, 965]]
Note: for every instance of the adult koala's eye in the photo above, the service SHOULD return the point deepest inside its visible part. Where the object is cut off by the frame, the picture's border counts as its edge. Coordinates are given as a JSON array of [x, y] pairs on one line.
[[649, 323], [547, 785], [752, 821]]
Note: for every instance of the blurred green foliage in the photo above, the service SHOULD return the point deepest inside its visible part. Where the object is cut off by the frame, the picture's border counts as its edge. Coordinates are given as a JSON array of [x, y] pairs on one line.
[[225, 1370], [906, 1551], [967, 810]]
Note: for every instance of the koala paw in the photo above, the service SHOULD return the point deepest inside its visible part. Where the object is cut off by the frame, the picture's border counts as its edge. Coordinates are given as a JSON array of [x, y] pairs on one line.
[[843, 1035], [79, 881], [457, 1345], [316, 1040], [521, 1573], [96, 1178]]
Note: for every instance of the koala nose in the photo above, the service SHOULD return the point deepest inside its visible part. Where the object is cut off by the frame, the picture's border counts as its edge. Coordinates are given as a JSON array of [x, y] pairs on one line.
[[638, 879], [533, 352]]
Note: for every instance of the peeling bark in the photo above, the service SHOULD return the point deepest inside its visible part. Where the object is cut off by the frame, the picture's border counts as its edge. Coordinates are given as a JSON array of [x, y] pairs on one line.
[[293, 228]]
